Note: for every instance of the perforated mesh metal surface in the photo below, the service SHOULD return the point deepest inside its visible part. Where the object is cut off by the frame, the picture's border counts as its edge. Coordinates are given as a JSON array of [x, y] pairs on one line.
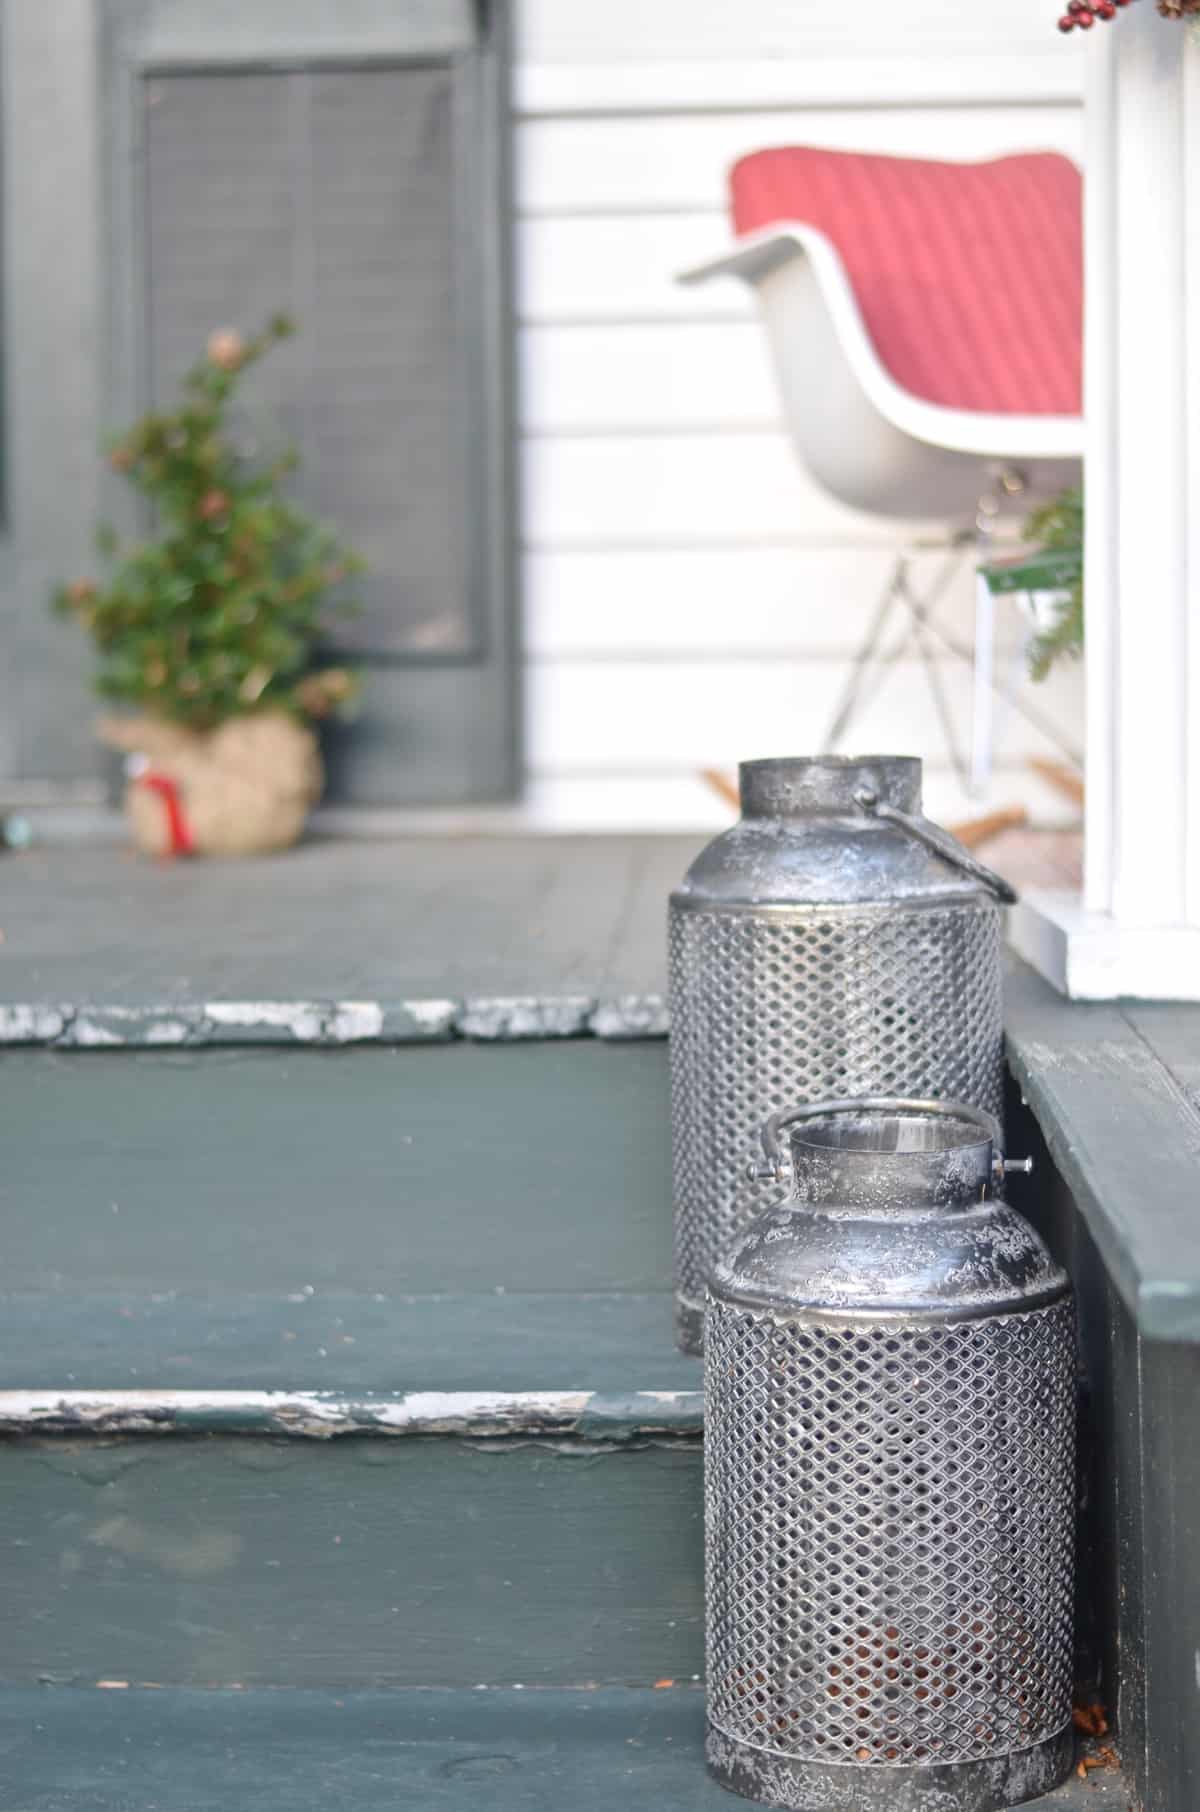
[[769, 1009], [889, 1535]]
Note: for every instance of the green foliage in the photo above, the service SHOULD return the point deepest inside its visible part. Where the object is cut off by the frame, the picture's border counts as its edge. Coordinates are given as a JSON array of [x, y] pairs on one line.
[[1056, 565], [222, 610], [1057, 528]]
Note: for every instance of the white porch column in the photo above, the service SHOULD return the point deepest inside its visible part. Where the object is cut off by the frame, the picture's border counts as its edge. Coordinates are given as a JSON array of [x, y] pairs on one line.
[[1136, 930]]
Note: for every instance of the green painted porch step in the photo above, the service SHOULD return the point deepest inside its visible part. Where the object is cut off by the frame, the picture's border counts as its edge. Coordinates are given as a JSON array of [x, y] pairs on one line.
[[415, 937], [353, 1345], [459, 1252], [610, 1750], [418, 1170], [367, 1560]]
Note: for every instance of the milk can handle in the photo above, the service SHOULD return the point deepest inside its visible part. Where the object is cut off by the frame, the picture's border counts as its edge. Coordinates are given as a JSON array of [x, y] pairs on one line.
[[769, 1169], [939, 841]]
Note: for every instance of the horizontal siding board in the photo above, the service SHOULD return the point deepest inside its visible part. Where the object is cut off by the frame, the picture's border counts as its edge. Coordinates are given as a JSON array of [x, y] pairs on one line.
[[675, 86], [649, 799], [623, 268], [658, 603], [647, 163], [638, 378], [579, 31], [693, 714], [680, 490], [678, 601]]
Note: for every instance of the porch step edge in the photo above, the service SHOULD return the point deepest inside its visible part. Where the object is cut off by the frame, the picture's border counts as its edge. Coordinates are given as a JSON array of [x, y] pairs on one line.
[[331, 1024], [323, 1415], [341, 1343]]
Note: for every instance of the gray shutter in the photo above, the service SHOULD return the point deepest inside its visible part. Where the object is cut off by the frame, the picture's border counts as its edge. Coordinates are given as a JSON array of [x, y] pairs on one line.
[[331, 194]]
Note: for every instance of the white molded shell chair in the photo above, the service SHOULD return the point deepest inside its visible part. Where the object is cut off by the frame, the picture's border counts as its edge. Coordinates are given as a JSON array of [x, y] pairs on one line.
[[925, 322]]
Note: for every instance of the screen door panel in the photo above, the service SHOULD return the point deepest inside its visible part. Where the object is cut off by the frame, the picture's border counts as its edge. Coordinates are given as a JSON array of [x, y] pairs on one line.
[[331, 194]]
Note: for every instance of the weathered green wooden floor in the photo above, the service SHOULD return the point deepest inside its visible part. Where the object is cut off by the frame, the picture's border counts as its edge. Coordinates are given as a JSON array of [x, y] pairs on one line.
[[336, 941], [335, 1298]]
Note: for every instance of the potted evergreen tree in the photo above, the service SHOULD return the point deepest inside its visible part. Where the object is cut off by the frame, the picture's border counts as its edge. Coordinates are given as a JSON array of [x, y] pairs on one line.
[[210, 628]]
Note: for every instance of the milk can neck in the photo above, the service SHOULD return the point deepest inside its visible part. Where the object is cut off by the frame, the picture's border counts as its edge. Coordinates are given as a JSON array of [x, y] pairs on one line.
[[810, 786], [891, 1164]]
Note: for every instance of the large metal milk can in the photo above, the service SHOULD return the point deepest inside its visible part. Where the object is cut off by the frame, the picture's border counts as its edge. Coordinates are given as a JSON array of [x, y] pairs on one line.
[[833, 942], [889, 1476]]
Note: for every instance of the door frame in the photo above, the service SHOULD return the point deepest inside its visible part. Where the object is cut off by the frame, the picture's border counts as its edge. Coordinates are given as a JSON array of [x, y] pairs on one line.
[[465, 707]]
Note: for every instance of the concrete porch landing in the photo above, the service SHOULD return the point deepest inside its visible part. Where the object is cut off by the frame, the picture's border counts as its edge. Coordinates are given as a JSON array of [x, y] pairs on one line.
[[420, 938]]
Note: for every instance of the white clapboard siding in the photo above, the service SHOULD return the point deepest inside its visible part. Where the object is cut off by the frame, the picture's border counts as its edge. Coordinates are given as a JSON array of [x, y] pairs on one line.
[[644, 379], [675, 87], [689, 594], [572, 166], [726, 603], [622, 268], [685, 490], [695, 714], [682, 31], [612, 605]]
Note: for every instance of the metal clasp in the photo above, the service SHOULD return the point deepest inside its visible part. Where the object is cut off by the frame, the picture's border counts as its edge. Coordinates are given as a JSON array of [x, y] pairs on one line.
[[1002, 1166]]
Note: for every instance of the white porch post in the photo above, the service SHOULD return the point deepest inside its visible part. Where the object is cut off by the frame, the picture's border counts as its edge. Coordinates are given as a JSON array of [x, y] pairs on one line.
[[1136, 930]]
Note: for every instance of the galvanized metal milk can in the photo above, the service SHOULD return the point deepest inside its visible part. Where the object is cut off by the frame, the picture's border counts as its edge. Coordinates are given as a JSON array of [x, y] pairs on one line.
[[833, 942], [889, 1476]]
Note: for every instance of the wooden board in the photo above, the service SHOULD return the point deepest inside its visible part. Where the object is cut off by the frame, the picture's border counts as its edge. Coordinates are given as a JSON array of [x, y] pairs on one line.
[[574, 31], [585, 714], [439, 1751], [1124, 1132], [443, 919], [660, 377], [644, 163], [623, 268], [700, 490], [361, 1344], [356, 1562], [539, 1166]]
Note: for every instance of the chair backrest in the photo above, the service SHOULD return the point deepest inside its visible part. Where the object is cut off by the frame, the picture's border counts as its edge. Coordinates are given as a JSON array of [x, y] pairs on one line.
[[969, 276]]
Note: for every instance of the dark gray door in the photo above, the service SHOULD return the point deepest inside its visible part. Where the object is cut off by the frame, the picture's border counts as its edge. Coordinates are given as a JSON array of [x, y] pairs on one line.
[[363, 194]]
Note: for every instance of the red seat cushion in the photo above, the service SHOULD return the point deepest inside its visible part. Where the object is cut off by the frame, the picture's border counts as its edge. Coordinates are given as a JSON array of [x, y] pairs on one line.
[[969, 276]]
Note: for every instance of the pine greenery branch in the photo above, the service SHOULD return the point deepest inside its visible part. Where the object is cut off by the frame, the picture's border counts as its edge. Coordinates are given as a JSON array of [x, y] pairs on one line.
[[1063, 639], [1057, 528], [221, 611], [1052, 563]]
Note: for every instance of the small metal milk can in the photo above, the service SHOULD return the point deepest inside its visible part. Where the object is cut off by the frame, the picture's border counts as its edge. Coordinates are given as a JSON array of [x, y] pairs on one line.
[[889, 1476], [833, 942]]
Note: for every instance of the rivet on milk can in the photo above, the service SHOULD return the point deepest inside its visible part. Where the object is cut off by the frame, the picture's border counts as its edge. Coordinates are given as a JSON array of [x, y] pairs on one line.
[[889, 1476], [832, 942]]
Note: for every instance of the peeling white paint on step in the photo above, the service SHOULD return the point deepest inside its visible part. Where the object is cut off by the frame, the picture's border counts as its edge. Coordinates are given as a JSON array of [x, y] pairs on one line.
[[95, 1025], [30, 1024], [304, 1019], [324, 1414], [354, 1020]]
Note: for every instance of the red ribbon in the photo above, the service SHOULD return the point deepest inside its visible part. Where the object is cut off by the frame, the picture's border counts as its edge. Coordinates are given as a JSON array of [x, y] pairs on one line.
[[178, 832]]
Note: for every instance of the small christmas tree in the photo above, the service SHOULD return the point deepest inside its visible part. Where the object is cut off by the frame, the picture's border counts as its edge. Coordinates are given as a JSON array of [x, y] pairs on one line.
[[221, 612]]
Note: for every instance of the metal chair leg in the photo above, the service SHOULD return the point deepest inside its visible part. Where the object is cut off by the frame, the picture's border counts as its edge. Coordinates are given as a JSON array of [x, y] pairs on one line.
[[870, 665], [845, 708]]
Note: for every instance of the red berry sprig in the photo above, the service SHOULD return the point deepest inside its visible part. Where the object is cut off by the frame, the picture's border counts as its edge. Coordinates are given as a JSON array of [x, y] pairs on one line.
[[1084, 13]]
